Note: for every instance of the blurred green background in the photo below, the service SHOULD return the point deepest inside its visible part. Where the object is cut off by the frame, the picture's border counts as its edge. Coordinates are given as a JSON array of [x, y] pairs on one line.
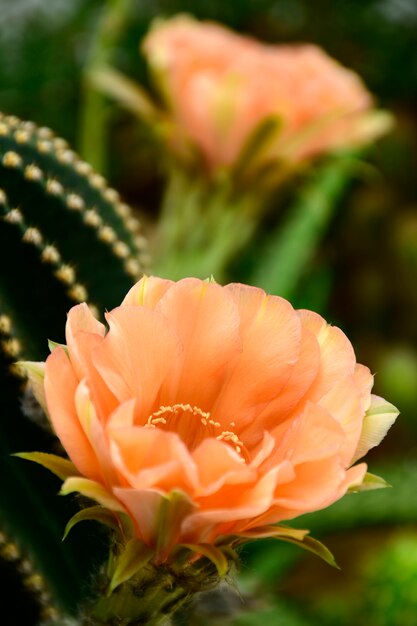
[[363, 277]]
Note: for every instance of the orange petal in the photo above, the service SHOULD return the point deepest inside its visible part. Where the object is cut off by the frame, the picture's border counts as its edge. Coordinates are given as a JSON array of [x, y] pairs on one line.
[[316, 485], [143, 507], [296, 389], [84, 334], [218, 464], [81, 320], [312, 436], [205, 317], [336, 352], [344, 403], [152, 458], [271, 333], [147, 292], [231, 505], [136, 356], [94, 431], [60, 387]]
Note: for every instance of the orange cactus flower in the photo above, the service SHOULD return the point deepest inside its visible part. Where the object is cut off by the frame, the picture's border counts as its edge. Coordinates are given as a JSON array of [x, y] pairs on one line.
[[223, 400], [220, 87]]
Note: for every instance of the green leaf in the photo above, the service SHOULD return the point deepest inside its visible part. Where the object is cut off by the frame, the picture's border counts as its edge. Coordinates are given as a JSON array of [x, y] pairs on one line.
[[135, 555], [63, 468], [314, 546], [370, 482], [95, 513], [215, 555], [288, 251]]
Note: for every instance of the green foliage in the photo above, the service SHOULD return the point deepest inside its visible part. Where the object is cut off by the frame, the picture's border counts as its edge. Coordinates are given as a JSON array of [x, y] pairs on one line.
[[65, 237], [291, 247]]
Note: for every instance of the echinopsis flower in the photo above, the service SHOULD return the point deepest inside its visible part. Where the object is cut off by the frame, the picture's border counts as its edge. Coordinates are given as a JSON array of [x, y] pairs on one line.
[[220, 87], [218, 409]]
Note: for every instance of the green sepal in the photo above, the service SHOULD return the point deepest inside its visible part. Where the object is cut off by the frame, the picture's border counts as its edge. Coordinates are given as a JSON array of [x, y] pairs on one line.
[[174, 508], [314, 546], [94, 513], [54, 344], [63, 468], [262, 137], [135, 555], [370, 482], [269, 530], [35, 372], [214, 554]]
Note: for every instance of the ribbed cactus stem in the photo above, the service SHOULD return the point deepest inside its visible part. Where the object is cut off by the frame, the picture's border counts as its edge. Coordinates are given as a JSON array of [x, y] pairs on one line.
[[65, 237]]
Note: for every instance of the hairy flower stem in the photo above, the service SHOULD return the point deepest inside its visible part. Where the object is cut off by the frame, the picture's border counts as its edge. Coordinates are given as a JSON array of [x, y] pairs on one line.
[[151, 596], [203, 226]]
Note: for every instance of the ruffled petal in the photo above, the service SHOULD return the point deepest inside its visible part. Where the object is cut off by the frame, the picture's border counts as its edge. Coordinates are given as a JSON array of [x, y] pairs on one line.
[[231, 505], [337, 358], [219, 464], [152, 458], [271, 333], [60, 388], [295, 392], [143, 507], [147, 292], [84, 334], [136, 356], [206, 319]]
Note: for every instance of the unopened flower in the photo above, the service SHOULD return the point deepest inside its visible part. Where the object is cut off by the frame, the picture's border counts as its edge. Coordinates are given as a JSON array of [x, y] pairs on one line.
[[206, 412], [221, 87]]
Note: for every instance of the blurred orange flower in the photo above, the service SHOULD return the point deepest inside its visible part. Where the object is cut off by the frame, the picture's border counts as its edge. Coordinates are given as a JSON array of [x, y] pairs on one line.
[[221, 86], [244, 410]]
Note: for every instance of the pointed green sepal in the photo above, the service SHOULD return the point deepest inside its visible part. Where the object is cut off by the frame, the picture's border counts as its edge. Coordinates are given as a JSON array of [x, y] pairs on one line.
[[174, 508], [215, 555], [370, 482], [35, 372], [94, 513], [278, 532], [54, 344], [63, 468], [135, 555], [258, 143], [314, 546]]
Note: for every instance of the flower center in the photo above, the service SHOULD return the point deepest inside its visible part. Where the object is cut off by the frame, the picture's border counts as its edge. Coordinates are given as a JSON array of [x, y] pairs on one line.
[[193, 425]]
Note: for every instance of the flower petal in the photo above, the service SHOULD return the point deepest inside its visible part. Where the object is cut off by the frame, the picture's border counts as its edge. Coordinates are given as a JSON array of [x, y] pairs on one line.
[[136, 356], [218, 464], [271, 333], [147, 292], [152, 458], [60, 387], [205, 317], [337, 358], [378, 420]]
